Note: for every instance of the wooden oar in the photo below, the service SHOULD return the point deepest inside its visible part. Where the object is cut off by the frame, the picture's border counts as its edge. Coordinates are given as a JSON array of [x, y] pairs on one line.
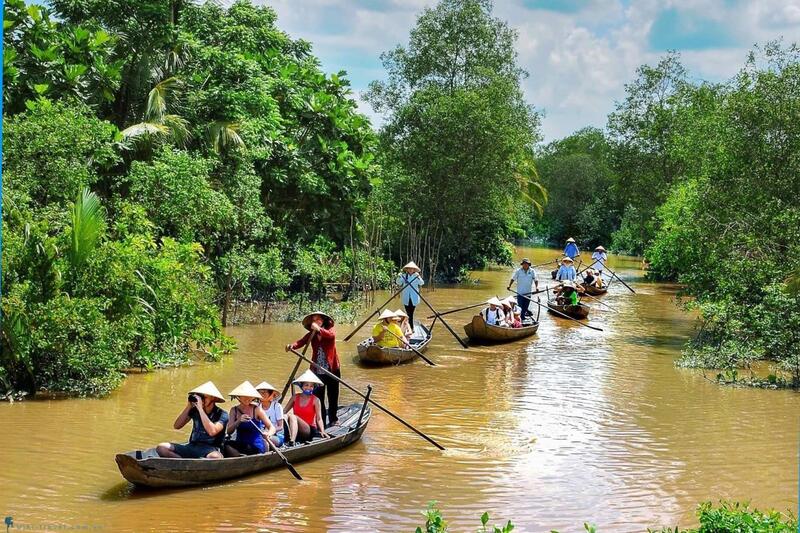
[[459, 339], [543, 264], [478, 305], [408, 345], [377, 310], [614, 275], [275, 449], [373, 402], [556, 311], [297, 366]]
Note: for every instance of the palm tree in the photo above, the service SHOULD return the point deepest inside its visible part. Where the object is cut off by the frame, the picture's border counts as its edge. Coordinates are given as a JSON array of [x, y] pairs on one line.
[[158, 122], [88, 221]]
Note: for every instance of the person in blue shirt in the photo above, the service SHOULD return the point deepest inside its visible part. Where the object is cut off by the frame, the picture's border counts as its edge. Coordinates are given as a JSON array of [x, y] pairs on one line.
[[571, 249], [525, 277], [566, 272], [600, 257], [411, 279]]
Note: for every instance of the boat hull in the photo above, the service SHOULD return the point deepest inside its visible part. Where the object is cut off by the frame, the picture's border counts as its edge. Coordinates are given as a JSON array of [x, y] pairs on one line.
[[578, 312], [594, 291], [479, 332], [160, 472]]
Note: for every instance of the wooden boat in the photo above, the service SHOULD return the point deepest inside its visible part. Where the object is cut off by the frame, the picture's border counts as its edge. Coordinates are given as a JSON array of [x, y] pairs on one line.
[[145, 468], [374, 354], [578, 312], [480, 332], [591, 290]]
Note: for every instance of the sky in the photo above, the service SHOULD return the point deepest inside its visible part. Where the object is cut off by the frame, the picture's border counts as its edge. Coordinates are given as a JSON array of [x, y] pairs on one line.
[[579, 53]]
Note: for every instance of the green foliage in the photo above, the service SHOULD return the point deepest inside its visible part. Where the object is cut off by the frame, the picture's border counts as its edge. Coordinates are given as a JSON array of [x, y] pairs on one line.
[[459, 131], [435, 523], [88, 222], [729, 516]]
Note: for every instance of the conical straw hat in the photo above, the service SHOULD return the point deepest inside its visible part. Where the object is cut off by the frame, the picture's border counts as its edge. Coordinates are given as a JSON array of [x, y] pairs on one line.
[[494, 301], [567, 260], [387, 313], [570, 240], [208, 389], [307, 319], [413, 266], [245, 388], [400, 313], [308, 377], [265, 386], [599, 249]]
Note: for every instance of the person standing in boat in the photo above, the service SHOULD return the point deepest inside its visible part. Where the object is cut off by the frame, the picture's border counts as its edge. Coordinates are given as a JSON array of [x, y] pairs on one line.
[[271, 403], [387, 333], [323, 344], [411, 280], [494, 315], [208, 426], [305, 416], [249, 421], [525, 276], [600, 257], [571, 249]]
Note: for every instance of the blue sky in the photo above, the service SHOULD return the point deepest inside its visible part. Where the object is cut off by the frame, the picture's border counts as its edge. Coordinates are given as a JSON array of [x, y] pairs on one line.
[[579, 53]]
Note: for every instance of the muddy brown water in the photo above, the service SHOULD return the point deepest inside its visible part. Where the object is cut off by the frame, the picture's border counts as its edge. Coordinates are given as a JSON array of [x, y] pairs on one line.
[[571, 425]]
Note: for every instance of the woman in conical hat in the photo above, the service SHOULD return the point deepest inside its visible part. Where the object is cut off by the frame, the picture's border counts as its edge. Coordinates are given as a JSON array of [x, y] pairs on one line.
[[600, 257], [271, 403], [322, 335], [402, 317], [208, 426], [410, 280], [249, 421], [304, 411], [571, 249], [567, 270], [387, 333]]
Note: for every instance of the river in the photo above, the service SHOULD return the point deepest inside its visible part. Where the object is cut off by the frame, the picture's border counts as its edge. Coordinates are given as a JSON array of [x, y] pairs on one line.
[[569, 426]]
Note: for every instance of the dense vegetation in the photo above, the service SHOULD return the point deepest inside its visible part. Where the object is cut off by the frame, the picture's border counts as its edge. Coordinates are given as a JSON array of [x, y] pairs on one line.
[[164, 159], [727, 517], [702, 178]]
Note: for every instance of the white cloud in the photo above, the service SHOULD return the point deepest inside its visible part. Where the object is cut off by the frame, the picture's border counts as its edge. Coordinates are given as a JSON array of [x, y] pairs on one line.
[[579, 62]]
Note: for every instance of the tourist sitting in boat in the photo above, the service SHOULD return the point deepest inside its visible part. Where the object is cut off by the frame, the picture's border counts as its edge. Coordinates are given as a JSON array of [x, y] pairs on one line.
[[387, 333], [322, 335], [494, 315], [404, 324], [571, 249], [566, 272], [304, 411], [589, 278], [271, 404], [208, 426], [249, 421], [568, 295], [513, 313]]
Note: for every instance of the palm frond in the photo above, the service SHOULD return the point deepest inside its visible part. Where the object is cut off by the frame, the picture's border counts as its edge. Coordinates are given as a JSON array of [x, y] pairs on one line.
[[224, 135], [88, 220], [159, 99]]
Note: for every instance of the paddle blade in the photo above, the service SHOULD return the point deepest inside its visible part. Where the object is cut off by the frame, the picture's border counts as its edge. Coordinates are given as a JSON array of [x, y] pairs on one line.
[[292, 470]]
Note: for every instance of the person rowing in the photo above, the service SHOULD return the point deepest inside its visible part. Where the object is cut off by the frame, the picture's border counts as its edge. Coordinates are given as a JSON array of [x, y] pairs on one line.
[[387, 333], [208, 426], [600, 257], [271, 403], [249, 421], [566, 272], [304, 412], [571, 249], [494, 315], [323, 343], [411, 280], [525, 276]]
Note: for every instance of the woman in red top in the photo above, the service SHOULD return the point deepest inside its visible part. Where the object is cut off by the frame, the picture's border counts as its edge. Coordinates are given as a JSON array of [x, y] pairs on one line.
[[304, 411], [323, 344]]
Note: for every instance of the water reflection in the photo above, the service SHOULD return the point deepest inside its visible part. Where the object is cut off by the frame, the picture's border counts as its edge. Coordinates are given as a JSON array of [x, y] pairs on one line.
[[563, 427]]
